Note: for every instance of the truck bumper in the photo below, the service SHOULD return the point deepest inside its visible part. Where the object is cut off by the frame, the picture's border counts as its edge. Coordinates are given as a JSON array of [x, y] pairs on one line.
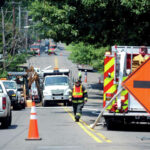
[[130, 116], [55, 98]]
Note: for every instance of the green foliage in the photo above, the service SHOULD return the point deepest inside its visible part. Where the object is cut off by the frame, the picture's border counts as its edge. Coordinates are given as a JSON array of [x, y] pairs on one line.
[[97, 22], [137, 6], [15, 60], [98, 58], [3, 74], [87, 54], [81, 53]]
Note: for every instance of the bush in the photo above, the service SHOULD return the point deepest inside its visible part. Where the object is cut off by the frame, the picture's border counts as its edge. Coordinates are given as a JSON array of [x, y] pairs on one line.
[[88, 54]]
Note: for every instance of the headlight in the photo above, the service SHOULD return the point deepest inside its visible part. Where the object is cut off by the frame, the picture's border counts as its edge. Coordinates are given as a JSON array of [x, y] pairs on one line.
[[66, 92]]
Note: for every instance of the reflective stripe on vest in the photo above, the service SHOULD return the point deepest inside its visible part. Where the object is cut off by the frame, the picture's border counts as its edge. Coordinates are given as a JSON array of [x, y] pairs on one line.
[[77, 101], [77, 92]]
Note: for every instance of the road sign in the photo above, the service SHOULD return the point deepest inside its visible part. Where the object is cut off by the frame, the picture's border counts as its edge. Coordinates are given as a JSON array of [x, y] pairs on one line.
[[138, 84]]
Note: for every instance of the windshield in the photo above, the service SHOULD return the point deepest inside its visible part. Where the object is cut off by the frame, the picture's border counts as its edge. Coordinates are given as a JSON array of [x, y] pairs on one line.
[[52, 46], [35, 46], [10, 85], [56, 81]]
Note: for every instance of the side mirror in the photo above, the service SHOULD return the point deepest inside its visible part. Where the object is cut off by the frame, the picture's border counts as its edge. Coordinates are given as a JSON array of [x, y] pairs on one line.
[[10, 93]]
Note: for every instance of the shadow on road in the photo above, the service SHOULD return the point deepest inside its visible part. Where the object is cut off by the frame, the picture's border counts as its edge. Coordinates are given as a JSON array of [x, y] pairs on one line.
[[10, 127]]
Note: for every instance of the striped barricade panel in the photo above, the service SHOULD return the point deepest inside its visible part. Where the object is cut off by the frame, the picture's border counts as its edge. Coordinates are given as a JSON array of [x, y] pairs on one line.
[[109, 63]]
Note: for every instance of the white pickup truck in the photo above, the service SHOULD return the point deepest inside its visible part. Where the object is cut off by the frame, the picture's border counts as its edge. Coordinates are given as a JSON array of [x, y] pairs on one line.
[[56, 87], [5, 107]]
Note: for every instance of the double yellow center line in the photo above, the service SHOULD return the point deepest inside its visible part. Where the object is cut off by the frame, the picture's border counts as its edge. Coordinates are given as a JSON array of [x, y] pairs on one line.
[[86, 128], [56, 62], [91, 132]]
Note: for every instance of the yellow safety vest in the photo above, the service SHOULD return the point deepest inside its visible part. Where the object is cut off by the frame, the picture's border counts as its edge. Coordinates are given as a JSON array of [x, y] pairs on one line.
[[77, 92]]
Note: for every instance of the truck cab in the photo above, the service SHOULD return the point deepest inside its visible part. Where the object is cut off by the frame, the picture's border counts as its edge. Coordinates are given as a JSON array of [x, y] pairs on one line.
[[5, 107], [56, 86], [17, 101]]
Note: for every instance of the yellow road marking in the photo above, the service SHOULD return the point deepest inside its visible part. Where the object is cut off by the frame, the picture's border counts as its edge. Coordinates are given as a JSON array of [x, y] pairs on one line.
[[56, 62], [88, 132], [97, 133]]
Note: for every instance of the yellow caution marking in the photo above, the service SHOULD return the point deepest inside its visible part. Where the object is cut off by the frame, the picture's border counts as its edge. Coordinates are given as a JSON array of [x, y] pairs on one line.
[[109, 64], [97, 133], [85, 130], [56, 62]]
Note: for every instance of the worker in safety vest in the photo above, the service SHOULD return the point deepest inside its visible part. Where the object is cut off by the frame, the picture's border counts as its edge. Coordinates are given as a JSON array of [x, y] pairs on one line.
[[78, 96]]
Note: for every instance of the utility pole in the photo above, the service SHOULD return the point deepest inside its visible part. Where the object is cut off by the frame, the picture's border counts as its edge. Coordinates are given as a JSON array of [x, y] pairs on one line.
[[14, 28], [26, 42], [3, 35], [19, 17]]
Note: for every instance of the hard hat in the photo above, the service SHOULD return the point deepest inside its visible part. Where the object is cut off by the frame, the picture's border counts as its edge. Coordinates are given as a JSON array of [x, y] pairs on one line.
[[77, 81]]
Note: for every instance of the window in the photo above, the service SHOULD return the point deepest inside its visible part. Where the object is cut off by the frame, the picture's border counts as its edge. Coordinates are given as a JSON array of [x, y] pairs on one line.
[[56, 81], [1, 90], [10, 85]]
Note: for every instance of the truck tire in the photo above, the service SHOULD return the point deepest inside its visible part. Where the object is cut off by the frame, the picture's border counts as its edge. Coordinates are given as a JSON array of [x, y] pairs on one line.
[[6, 122], [23, 105], [110, 123], [44, 104], [10, 118], [69, 103]]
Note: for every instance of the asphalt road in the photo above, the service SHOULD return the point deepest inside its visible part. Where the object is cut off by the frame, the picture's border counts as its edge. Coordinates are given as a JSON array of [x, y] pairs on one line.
[[56, 123]]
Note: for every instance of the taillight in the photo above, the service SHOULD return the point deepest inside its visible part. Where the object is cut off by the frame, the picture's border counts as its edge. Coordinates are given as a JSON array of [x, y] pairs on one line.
[[4, 102], [109, 96]]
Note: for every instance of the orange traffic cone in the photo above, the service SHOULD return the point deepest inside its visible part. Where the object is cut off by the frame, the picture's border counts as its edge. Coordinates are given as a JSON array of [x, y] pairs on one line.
[[85, 79], [39, 53], [99, 80], [33, 133]]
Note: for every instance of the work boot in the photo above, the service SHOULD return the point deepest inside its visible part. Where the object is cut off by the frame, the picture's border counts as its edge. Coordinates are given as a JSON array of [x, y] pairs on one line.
[[77, 118]]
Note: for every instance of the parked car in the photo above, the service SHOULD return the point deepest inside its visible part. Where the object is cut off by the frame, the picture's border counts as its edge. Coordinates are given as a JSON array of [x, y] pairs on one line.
[[5, 107], [14, 93]]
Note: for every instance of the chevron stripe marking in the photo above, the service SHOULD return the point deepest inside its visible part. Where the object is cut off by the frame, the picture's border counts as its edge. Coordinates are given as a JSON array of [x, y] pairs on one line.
[[108, 86], [109, 64], [110, 70]]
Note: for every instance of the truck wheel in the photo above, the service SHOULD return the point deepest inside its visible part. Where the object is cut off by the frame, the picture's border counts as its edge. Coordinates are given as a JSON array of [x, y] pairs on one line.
[[44, 103], [10, 118], [69, 103], [109, 123], [65, 103], [23, 105], [6, 122]]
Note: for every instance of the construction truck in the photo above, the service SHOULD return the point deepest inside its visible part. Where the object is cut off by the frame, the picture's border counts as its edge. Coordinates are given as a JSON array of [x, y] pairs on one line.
[[25, 80], [118, 64], [34, 84], [56, 86]]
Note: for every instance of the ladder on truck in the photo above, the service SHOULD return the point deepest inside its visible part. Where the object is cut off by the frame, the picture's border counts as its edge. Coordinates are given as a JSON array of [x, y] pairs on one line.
[[128, 49]]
